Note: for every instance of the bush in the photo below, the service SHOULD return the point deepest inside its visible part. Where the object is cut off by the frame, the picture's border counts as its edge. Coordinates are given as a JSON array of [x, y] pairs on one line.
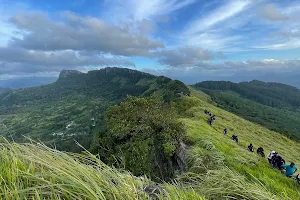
[[142, 135]]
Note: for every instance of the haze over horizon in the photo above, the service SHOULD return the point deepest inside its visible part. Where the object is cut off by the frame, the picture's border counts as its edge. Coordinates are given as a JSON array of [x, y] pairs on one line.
[[190, 40]]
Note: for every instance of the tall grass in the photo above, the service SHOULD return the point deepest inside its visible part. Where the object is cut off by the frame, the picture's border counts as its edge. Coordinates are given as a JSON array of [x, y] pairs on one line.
[[218, 167], [34, 171], [257, 178]]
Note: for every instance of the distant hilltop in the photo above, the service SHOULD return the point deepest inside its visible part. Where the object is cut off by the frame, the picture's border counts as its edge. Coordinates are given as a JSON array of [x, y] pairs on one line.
[[66, 73]]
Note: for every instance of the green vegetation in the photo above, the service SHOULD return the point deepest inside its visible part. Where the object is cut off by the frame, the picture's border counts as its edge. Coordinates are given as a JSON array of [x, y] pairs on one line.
[[153, 134], [270, 94], [72, 107], [272, 105], [218, 168], [143, 135], [33, 171], [210, 148]]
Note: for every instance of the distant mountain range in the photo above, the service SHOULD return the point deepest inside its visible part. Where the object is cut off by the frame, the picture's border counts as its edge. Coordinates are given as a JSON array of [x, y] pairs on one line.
[[72, 107], [24, 82]]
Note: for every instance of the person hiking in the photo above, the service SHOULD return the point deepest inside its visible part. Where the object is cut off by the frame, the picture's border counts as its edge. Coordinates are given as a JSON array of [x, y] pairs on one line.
[[298, 178], [225, 131], [210, 122], [251, 148], [235, 138], [278, 162], [260, 151], [290, 169], [271, 155]]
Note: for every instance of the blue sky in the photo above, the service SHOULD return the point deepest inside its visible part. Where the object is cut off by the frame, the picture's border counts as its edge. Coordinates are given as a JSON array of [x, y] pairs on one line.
[[191, 40]]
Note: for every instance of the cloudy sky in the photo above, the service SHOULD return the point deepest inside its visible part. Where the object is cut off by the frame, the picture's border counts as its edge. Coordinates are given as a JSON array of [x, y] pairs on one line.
[[191, 40]]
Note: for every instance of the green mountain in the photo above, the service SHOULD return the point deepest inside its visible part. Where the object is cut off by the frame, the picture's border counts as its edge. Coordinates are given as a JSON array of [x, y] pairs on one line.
[[72, 107], [273, 105], [218, 168]]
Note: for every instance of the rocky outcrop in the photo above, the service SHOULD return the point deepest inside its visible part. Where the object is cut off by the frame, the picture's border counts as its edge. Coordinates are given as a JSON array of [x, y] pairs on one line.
[[181, 157], [67, 73]]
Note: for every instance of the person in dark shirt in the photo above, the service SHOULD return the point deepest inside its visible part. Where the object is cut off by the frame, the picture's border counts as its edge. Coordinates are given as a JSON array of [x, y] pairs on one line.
[[260, 151], [278, 162], [225, 131], [235, 138], [251, 148]]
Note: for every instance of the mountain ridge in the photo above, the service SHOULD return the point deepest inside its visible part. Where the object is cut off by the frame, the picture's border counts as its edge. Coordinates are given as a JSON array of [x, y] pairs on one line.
[[45, 112]]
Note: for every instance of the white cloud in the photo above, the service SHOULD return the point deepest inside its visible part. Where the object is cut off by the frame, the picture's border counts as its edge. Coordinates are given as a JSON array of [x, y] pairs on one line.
[[289, 44], [271, 12], [186, 56], [79, 33], [226, 11], [214, 29], [143, 9]]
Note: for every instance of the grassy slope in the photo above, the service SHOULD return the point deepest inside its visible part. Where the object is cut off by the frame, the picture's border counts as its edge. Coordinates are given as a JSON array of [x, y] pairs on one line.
[[236, 157], [219, 168], [33, 171]]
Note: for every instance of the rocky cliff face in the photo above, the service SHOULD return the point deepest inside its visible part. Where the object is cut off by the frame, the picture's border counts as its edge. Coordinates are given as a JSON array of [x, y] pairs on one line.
[[67, 73]]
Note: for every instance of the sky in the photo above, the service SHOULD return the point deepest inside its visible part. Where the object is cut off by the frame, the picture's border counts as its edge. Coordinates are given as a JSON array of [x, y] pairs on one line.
[[189, 40]]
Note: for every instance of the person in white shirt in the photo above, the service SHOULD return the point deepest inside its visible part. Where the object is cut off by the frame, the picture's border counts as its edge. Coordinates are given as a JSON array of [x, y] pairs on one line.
[[271, 155]]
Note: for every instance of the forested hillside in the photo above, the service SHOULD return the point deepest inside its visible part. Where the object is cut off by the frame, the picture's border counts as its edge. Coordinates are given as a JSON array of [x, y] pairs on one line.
[[4, 90], [273, 105], [72, 107]]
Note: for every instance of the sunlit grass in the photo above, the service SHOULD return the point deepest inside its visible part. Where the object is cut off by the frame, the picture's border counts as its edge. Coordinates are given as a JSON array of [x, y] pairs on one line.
[[254, 169], [218, 167]]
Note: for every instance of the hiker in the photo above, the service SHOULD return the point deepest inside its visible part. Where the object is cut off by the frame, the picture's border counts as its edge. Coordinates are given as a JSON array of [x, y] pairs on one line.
[[290, 169], [225, 131], [260, 151], [210, 122], [278, 162], [213, 117], [251, 148], [235, 138], [206, 112], [271, 155], [298, 178]]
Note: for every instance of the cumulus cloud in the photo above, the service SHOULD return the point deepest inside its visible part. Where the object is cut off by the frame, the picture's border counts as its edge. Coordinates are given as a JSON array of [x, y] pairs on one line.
[[186, 56], [72, 42], [271, 12], [57, 58], [14, 60], [79, 33]]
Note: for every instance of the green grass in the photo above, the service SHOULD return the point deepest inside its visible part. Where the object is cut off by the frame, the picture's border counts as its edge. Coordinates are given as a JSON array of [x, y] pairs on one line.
[[254, 169], [34, 171], [218, 167]]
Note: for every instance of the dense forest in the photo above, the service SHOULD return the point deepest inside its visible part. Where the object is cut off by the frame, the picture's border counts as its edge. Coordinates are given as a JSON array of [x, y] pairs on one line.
[[273, 105], [72, 108]]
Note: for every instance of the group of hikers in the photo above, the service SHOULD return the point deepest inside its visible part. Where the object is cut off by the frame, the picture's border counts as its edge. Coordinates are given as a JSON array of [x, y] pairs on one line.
[[212, 118], [274, 158]]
